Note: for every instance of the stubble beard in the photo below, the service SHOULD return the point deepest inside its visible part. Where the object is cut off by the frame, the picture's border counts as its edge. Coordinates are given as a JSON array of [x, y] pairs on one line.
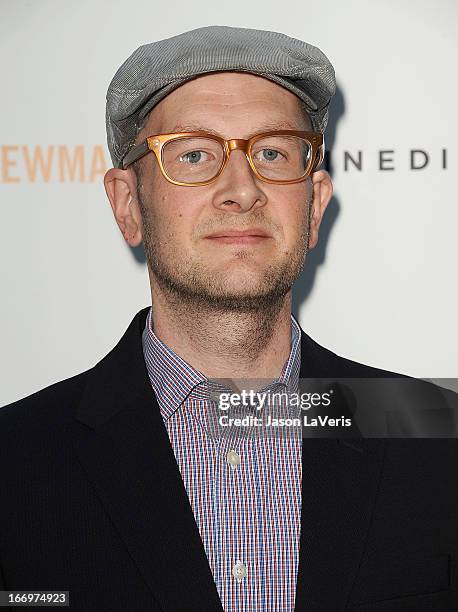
[[190, 284]]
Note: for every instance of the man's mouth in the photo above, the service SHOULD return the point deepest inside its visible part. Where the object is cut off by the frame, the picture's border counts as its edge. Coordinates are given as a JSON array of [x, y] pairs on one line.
[[248, 236]]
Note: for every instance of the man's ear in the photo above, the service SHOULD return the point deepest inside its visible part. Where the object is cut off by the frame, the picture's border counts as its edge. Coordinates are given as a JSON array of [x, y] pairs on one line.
[[121, 189], [322, 194]]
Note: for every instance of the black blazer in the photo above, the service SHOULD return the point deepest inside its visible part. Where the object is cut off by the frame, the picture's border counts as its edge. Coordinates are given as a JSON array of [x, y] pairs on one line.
[[92, 502]]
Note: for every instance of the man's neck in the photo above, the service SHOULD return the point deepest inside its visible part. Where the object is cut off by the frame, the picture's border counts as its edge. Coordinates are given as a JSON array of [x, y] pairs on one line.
[[225, 344]]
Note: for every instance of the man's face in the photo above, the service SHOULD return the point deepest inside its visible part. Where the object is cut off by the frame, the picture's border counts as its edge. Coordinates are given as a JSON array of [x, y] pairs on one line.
[[184, 227]]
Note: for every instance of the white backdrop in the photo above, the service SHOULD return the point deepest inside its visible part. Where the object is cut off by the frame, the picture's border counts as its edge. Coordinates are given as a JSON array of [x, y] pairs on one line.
[[381, 287]]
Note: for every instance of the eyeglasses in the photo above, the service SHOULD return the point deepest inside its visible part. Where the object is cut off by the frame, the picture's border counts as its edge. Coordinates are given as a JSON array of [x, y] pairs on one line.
[[198, 158]]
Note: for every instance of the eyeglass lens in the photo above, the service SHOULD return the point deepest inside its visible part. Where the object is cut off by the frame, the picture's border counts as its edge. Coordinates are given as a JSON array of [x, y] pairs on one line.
[[198, 159]]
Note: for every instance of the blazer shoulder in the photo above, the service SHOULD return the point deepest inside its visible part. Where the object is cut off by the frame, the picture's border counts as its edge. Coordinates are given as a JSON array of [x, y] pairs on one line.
[[56, 403], [417, 390], [53, 403], [337, 365]]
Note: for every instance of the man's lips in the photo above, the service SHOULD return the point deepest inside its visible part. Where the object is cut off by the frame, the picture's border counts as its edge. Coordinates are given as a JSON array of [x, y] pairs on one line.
[[248, 236]]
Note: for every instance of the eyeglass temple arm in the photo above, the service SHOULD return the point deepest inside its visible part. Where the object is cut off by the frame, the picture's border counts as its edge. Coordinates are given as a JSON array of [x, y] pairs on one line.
[[319, 157], [134, 154]]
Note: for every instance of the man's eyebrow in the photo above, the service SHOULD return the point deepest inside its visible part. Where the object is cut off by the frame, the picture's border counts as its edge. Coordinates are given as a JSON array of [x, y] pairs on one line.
[[265, 127]]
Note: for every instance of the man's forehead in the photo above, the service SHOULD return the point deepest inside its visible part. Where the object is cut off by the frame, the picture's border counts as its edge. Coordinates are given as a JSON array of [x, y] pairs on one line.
[[195, 107], [256, 127], [229, 87]]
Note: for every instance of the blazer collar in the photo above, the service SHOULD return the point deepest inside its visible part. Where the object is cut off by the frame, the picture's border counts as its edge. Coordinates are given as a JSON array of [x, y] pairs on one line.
[[121, 376]]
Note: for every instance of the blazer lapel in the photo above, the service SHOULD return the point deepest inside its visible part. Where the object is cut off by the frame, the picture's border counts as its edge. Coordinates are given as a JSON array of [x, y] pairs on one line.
[[339, 486], [123, 445]]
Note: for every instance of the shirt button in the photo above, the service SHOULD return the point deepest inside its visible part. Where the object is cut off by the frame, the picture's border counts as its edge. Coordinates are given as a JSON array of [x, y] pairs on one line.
[[233, 458], [239, 571]]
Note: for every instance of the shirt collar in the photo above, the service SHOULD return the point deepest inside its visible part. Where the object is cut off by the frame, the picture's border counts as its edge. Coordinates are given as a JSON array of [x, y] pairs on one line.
[[173, 379]]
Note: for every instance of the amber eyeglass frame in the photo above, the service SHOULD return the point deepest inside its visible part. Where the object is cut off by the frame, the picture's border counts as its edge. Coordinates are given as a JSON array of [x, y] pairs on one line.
[[155, 143]]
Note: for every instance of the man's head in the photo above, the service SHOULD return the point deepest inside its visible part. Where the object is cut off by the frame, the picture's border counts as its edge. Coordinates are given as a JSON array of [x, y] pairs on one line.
[[183, 227]]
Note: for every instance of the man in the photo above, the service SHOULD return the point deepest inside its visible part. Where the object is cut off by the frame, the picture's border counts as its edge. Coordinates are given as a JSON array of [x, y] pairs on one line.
[[116, 485]]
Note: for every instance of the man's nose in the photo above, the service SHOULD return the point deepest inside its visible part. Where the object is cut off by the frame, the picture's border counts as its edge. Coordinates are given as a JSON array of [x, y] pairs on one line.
[[237, 187]]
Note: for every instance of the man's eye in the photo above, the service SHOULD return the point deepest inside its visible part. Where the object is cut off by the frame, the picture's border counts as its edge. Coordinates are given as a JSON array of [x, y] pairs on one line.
[[193, 157], [269, 155]]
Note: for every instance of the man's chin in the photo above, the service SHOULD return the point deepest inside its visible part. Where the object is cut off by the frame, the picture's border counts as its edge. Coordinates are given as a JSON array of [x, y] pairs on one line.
[[228, 290], [245, 279]]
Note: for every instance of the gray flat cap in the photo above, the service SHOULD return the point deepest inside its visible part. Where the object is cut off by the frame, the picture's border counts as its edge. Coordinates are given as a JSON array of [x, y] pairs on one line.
[[157, 68]]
